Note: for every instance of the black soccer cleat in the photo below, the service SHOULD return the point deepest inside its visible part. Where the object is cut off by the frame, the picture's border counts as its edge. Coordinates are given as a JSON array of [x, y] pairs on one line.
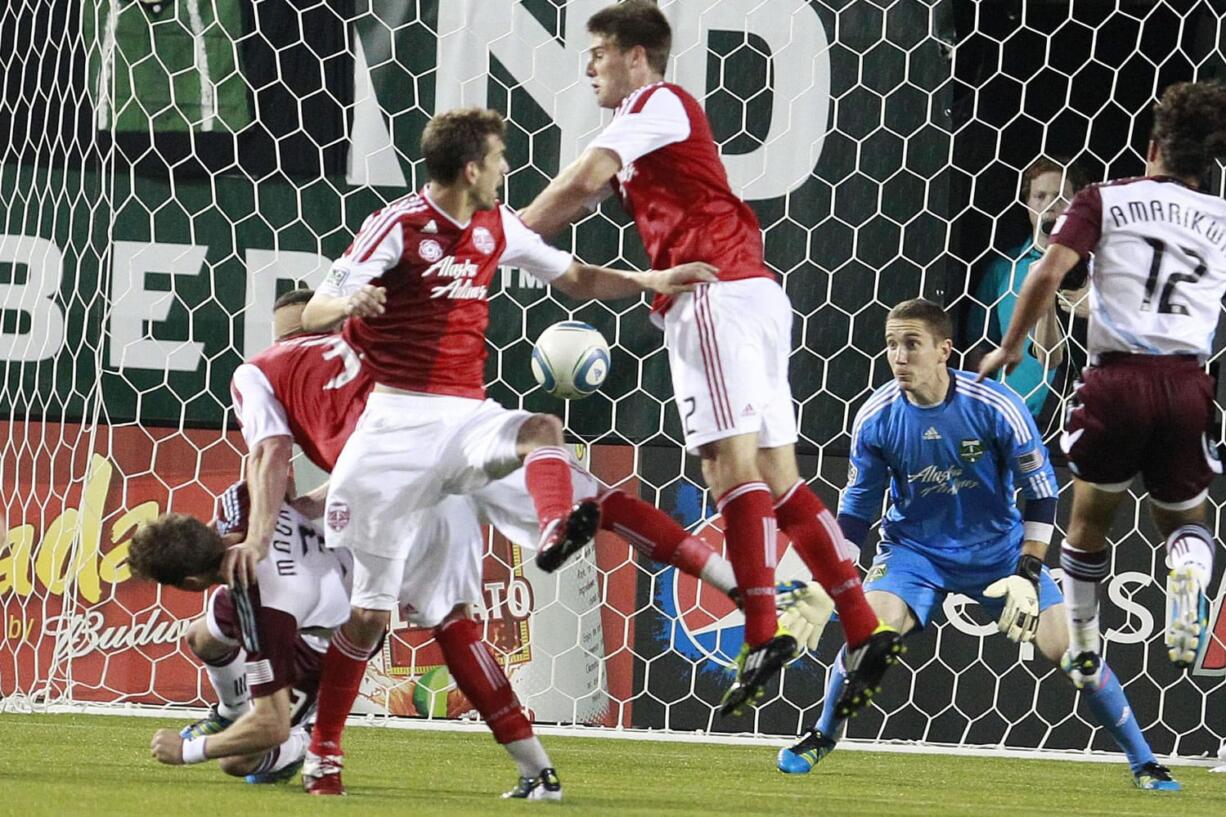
[[866, 666], [754, 669], [566, 536], [544, 787]]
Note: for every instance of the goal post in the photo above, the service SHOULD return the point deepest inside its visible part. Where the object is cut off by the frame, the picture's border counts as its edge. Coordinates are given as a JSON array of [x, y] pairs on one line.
[[166, 170]]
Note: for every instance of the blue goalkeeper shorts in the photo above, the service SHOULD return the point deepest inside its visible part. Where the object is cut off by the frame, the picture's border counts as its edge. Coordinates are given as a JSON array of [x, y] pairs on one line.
[[923, 582]]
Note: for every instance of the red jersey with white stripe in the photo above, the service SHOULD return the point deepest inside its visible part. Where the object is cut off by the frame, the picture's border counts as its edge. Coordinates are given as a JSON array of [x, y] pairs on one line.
[[310, 387], [1159, 267], [673, 182], [431, 337]]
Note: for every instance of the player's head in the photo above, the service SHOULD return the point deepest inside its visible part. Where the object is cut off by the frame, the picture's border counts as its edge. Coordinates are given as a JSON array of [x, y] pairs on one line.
[[630, 44], [464, 148], [918, 342], [1189, 129], [287, 312], [178, 550], [1048, 186]]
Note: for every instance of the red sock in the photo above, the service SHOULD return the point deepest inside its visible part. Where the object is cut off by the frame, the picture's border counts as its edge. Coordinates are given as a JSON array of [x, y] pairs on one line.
[[482, 680], [339, 681], [547, 476], [750, 532], [652, 532], [816, 535]]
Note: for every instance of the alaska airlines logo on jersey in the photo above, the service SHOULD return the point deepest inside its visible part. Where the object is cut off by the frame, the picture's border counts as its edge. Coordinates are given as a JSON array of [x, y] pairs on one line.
[[970, 450], [941, 480], [461, 274]]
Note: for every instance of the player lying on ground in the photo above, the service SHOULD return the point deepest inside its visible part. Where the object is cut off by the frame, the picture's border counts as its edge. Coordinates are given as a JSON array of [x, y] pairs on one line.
[[728, 342], [954, 451], [266, 695], [1145, 404]]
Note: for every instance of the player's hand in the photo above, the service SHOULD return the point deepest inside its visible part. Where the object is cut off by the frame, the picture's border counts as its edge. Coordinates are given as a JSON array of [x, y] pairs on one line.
[[683, 278], [366, 302], [998, 358], [167, 747], [1020, 618], [239, 562], [804, 611]]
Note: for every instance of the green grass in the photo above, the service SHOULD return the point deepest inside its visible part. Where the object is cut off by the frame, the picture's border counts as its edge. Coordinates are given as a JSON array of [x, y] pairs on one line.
[[90, 766]]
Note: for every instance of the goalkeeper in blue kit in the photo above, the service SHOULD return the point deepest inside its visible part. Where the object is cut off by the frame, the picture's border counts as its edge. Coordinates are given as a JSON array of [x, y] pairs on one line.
[[953, 452]]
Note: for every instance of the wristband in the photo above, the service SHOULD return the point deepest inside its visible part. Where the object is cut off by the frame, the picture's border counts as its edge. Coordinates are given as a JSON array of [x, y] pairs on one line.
[[1030, 567], [193, 750]]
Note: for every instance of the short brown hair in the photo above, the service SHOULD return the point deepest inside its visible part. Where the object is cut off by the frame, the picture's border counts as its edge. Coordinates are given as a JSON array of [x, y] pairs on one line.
[[292, 298], [932, 314], [636, 22], [173, 547], [1070, 170], [1190, 126], [454, 138]]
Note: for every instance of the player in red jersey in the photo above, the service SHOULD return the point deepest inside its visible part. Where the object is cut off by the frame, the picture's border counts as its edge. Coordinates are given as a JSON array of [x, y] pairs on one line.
[[1145, 404], [728, 341]]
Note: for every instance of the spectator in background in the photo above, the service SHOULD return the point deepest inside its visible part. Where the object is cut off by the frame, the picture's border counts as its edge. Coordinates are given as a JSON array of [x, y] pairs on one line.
[[1047, 187]]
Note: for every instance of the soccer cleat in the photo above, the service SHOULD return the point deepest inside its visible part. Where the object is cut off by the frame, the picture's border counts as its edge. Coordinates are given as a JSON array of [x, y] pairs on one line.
[[801, 757], [210, 724], [321, 774], [1187, 616], [279, 776], [1085, 669], [1153, 776], [866, 666], [544, 787], [564, 537], [754, 668]]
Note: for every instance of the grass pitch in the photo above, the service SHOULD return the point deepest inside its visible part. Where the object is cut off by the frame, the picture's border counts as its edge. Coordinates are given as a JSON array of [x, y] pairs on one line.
[[89, 766]]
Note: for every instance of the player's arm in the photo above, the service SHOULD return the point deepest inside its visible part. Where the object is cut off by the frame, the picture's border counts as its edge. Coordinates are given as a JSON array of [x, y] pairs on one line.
[[311, 504], [575, 191], [264, 726], [1020, 443], [325, 313], [348, 290], [867, 474], [586, 282]]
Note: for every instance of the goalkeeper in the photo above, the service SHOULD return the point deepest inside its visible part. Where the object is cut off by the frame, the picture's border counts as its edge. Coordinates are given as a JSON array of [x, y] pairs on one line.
[[954, 451]]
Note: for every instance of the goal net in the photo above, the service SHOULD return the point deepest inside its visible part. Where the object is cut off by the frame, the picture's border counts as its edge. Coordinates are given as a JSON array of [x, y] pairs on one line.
[[169, 168]]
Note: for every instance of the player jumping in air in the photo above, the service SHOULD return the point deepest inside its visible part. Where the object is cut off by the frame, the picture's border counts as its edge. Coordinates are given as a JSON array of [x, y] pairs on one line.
[[953, 451], [1145, 405], [728, 341]]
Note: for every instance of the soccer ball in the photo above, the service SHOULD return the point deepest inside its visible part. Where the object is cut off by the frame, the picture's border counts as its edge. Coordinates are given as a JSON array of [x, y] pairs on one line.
[[570, 360]]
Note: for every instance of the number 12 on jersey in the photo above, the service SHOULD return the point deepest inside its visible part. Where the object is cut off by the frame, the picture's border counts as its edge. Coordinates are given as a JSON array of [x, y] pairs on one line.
[[1165, 305]]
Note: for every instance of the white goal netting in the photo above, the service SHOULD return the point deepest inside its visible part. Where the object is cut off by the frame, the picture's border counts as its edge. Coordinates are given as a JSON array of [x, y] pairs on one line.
[[166, 170]]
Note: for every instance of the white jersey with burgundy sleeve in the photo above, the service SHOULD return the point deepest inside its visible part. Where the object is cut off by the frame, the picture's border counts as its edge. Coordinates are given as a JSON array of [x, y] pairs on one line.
[[437, 272], [1159, 264]]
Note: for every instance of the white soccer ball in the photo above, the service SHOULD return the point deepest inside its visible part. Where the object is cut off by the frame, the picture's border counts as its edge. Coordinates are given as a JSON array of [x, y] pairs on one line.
[[570, 360]]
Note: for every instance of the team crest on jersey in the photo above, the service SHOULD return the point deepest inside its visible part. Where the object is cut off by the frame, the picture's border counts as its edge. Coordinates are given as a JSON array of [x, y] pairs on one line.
[[430, 250], [970, 450], [853, 473], [338, 516], [482, 240]]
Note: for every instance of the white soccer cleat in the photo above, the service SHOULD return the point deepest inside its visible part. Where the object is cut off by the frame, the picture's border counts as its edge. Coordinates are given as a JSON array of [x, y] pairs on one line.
[[546, 786], [1187, 615]]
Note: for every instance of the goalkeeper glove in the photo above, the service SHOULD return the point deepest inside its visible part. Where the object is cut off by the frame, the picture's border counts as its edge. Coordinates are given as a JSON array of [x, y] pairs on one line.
[[804, 610], [1020, 619]]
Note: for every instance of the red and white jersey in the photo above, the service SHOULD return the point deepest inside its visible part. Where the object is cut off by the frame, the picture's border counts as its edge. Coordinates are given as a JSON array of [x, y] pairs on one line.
[[1159, 267], [310, 387], [437, 272], [673, 182]]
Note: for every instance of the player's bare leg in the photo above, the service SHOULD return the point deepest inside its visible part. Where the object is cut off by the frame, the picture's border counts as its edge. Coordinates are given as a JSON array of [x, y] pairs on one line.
[[1189, 552], [730, 467], [1102, 693], [484, 682], [339, 681], [815, 744], [1086, 560], [566, 526], [225, 664]]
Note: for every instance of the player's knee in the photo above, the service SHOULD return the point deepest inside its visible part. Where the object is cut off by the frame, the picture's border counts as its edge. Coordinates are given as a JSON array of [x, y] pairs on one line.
[[540, 430], [365, 626], [202, 643], [239, 765]]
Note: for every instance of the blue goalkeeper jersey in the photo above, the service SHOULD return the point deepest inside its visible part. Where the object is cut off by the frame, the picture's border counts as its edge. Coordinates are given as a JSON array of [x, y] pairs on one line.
[[953, 468]]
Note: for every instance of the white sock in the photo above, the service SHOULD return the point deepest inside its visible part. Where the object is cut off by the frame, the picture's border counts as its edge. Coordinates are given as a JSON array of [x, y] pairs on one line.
[[529, 756], [229, 680], [1081, 599], [717, 572], [291, 751], [1192, 545]]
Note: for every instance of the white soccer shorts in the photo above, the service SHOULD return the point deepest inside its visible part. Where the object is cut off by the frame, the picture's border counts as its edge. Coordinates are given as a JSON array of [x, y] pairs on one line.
[[728, 346]]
